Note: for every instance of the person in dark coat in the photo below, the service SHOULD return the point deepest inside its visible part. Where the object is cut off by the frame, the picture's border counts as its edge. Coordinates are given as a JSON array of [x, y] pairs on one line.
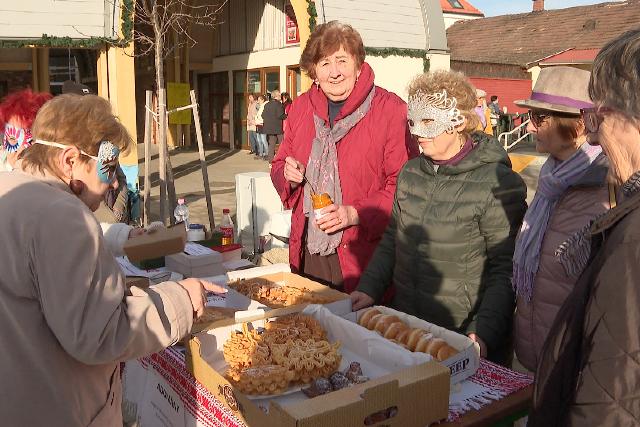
[[589, 372], [348, 138], [449, 246], [273, 115]]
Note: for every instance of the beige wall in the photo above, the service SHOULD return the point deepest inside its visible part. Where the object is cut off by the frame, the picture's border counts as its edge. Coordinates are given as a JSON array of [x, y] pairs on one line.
[[61, 18], [391, 76]]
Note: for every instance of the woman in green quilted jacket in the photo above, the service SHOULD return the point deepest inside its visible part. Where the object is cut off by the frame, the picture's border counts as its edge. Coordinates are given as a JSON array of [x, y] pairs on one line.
[[449, 245]]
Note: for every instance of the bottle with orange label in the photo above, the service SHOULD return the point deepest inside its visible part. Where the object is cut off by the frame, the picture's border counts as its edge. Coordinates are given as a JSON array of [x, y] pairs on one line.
[[320, 201], [226, 228]]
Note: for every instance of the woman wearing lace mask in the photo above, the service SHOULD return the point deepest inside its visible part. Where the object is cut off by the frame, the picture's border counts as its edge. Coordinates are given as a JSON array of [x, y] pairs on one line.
[[449, 245]]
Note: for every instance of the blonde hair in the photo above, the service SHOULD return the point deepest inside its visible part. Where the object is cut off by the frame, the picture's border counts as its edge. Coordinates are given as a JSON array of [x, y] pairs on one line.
[[457, 85], [74, 120]]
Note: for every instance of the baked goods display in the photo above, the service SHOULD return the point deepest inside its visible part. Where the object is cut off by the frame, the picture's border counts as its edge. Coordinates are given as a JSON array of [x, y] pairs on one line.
[[288, 350], [276, 296], [336, 381], [413, 339], [212, 314]]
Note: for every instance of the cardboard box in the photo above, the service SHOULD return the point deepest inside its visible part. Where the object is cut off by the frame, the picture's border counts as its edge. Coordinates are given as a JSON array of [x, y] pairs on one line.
[[410, 387], [156, 243], [137, 281], [462, 365], [340, 305], [229, 252], [195, 265]]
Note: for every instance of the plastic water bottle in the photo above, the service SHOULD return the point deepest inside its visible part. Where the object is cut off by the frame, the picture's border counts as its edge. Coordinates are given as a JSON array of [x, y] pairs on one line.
[[226, 228], [182, 213]]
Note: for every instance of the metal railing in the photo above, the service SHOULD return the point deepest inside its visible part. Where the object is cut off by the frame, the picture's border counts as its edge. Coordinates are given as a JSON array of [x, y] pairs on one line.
[[511, 138]]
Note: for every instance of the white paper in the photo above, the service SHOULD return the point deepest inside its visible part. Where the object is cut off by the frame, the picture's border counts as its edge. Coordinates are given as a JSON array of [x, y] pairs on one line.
[[161, 405], [196, 249], [131, 270]]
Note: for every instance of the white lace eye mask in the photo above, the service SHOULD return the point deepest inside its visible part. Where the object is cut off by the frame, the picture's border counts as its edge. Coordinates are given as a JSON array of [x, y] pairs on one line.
[[430, 115]]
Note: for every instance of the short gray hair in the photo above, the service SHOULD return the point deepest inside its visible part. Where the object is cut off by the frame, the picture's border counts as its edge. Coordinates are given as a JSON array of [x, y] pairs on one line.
[[615, 78], [275, 94]]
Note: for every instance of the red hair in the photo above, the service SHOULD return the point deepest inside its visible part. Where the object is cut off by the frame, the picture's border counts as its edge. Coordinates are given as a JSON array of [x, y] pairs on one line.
[[23, 105]]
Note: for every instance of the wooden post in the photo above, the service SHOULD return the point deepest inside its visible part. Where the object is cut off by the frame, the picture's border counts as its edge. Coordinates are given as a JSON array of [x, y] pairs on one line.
[[203, 162], [162, 145], [171, 187], [148, 120]]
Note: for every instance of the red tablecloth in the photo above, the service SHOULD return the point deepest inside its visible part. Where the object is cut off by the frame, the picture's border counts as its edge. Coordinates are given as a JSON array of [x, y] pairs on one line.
[[200, 404]]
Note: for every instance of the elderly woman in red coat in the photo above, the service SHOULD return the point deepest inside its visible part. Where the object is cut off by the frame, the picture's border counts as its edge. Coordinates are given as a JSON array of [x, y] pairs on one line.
[[348, 138]]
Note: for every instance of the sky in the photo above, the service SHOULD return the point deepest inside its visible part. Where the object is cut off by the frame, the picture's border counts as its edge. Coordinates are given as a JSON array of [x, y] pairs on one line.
[[504, 7]]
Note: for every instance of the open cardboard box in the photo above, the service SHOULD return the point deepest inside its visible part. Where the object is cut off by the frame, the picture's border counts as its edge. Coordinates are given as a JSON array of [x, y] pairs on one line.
[[246, 310], [409, 386], [462, 365], [156, 243]]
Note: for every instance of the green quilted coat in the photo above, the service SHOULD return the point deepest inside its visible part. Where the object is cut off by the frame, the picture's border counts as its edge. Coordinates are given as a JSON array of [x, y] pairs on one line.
[[449, 245]]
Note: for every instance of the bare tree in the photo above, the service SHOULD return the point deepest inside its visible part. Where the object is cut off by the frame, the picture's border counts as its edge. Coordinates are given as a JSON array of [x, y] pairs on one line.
[[164, 26]]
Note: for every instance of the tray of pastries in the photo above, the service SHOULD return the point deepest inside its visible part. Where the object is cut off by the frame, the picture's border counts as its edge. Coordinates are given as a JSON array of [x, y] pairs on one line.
[[398, 332], [290, 351], [278, 296]]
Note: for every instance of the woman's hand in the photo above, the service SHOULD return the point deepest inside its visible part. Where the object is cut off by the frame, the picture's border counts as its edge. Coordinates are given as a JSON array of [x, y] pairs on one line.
[[360, 300], [197, 290], [483, 346], [336, 218], [293, 172]]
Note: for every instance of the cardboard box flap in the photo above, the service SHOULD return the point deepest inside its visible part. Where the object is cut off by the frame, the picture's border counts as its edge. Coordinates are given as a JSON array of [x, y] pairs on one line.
[[337, 408], [156, 243]]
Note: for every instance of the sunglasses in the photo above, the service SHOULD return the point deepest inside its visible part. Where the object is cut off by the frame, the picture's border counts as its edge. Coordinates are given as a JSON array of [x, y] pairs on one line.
[[593, 117], [537, 118]]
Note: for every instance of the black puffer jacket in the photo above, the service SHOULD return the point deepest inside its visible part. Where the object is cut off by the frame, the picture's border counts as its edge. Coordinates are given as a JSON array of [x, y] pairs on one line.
[[448, 248]]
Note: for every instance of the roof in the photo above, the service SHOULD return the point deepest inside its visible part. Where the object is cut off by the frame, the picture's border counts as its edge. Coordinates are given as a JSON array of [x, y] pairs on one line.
[[572, 56], [465, 9], [528, 37]]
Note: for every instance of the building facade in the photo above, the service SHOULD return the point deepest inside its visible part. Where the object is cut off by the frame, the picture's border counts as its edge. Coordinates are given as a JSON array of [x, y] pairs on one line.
[[504, 54], [50, 41], [257, 49], [458, 10]]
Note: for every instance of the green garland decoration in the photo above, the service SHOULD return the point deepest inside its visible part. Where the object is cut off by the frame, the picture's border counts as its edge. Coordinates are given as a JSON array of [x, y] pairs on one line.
[[374, 51], [91, 42], [313, 15], [396, 51]]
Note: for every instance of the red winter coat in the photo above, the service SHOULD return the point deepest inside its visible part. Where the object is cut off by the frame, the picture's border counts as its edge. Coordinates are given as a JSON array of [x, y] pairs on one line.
[[369, 159]]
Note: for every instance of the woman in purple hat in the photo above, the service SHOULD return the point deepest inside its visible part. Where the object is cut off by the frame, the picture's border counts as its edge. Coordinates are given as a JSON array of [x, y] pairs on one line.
[[572, 191]]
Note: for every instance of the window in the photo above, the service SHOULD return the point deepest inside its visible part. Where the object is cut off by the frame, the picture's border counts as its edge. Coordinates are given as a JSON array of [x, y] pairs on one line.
[[455, 4]]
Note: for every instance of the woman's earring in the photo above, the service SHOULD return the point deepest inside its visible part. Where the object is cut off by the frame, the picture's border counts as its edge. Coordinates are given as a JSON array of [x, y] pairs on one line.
[[317, 84], [76, 186]]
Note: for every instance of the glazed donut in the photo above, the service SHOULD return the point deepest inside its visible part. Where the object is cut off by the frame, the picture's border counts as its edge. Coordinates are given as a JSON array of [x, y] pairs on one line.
[[446, 352], [412, 339], [394, 330], [423, 343], [435, 345], [384, 322], [367, 315], [374, 320], [402, 335]]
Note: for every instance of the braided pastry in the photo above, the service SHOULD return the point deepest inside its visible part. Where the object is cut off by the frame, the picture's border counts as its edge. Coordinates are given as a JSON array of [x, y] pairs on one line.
[[276, 296], [291, 348], [413, 339]]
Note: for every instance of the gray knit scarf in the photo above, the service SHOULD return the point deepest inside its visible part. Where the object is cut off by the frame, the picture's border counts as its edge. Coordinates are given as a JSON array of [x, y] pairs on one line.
[[555, 178], [323, 175], [575, 252]]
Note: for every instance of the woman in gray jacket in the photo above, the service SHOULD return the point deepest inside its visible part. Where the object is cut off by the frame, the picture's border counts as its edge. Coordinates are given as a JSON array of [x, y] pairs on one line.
[[67, 318], [572, 190]]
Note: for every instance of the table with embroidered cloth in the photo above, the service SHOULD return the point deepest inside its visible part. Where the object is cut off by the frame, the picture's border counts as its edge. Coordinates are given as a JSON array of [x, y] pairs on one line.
[[494, 393]]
